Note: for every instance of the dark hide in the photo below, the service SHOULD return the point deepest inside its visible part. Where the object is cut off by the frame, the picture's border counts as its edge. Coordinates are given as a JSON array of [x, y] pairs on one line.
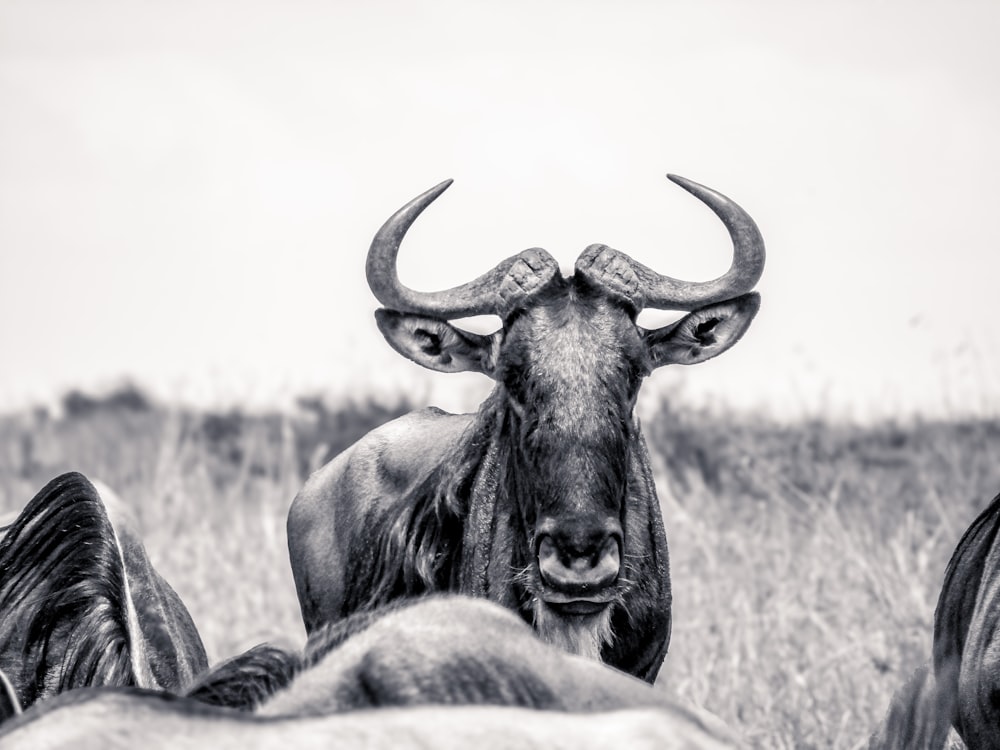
[[461, 530], [243, 682], [966, 624], [468, 526], [919, 716], [64, 622], [66, 619]]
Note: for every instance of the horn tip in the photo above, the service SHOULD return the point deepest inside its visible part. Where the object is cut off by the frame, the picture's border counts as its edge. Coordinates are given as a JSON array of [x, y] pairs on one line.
[[684, 182], [435, 191]]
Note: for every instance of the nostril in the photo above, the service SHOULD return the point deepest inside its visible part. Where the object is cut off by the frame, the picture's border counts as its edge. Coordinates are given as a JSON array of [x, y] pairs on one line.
[[547, 549]]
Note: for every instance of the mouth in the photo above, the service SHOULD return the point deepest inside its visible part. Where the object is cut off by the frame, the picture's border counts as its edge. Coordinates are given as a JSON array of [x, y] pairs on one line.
[[570, 604], [577, 607]]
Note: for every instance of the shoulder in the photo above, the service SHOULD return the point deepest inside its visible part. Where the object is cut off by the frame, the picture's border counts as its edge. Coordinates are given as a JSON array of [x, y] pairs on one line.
[[394, 455]]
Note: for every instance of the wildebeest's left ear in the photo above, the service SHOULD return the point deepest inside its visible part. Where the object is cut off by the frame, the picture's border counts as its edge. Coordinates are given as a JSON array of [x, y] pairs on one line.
[[436, 344], [702, 334]]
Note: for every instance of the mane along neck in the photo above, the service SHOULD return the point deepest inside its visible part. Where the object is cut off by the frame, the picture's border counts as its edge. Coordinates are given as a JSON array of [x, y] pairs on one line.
[[416, 546], [61, 595]]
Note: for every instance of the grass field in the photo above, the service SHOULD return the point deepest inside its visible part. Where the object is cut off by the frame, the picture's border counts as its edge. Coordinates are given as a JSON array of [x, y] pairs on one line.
[[806, 558]]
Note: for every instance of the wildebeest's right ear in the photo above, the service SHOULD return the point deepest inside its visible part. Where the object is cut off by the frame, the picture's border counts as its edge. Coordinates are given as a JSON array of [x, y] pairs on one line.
[[436, 344]]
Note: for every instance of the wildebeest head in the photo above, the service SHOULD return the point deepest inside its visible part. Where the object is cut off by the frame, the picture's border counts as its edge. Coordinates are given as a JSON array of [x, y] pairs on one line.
[[568, 362]]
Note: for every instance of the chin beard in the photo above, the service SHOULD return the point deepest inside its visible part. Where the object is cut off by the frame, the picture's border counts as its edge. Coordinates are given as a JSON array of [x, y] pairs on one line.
[[583, 635]]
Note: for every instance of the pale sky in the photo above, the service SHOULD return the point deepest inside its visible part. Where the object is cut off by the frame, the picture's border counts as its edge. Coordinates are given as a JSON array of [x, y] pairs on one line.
[[188, 189]]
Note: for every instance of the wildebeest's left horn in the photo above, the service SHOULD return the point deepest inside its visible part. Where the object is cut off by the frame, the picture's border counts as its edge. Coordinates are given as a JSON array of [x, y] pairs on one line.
[[666, 293], [493, 292]]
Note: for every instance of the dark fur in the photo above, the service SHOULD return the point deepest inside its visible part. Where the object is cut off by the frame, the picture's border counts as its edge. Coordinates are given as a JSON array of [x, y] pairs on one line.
[[245, 681], [960, 588], [966, 622], [412, 549], [62, 613], [447, 534], [418, 547], [919, 716]]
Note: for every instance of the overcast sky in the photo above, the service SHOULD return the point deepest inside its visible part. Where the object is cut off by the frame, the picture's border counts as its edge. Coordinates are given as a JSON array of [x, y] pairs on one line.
[[188, 189]]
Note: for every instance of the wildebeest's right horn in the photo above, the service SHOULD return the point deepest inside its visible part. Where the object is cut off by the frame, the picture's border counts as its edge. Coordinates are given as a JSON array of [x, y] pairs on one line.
[[666, 293], [493, 292]]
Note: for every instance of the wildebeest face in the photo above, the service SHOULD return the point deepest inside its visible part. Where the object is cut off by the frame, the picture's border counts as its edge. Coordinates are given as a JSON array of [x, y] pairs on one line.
[[569, 369]]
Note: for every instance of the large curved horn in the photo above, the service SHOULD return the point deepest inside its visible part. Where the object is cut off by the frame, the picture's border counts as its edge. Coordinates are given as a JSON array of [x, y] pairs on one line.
[[493, 292], [666, 293]]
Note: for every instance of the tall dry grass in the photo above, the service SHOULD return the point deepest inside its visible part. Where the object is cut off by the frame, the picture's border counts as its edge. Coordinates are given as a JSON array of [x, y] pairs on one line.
[[806, 558]]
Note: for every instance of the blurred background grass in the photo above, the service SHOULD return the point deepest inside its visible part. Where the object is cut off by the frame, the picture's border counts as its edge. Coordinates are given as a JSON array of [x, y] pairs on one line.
[[806, 556]]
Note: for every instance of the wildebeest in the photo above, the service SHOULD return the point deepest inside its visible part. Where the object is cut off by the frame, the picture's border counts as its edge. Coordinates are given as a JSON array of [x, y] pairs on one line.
[[441, 650], [919, 716], [544, 500], [80, 603], [451, 650], [967, 633], [122, 719], [960, 688], [465, 671], [84, 617]]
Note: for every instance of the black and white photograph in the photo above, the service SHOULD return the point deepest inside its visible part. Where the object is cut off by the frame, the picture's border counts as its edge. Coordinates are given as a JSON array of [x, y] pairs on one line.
[[558, 374]]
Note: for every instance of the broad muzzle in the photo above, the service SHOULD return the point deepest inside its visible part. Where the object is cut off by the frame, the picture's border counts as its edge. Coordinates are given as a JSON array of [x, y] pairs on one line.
[[579, 565]]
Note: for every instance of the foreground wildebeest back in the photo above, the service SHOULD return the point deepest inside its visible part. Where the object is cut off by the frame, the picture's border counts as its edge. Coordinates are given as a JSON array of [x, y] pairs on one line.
[[967, 632], [442, 672], [80, 604], [439, 650], [542, 501], [125, 719], [454, 650]]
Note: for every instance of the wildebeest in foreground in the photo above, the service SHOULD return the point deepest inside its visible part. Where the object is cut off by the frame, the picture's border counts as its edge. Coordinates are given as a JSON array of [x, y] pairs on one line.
[[543, 501], [80, 603], [437, 657], [90, 623], [123, 719], [961, 687], [967, 633]]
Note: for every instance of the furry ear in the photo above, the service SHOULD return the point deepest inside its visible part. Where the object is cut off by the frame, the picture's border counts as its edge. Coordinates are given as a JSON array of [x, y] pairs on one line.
[[436, 344], [702, 334]]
